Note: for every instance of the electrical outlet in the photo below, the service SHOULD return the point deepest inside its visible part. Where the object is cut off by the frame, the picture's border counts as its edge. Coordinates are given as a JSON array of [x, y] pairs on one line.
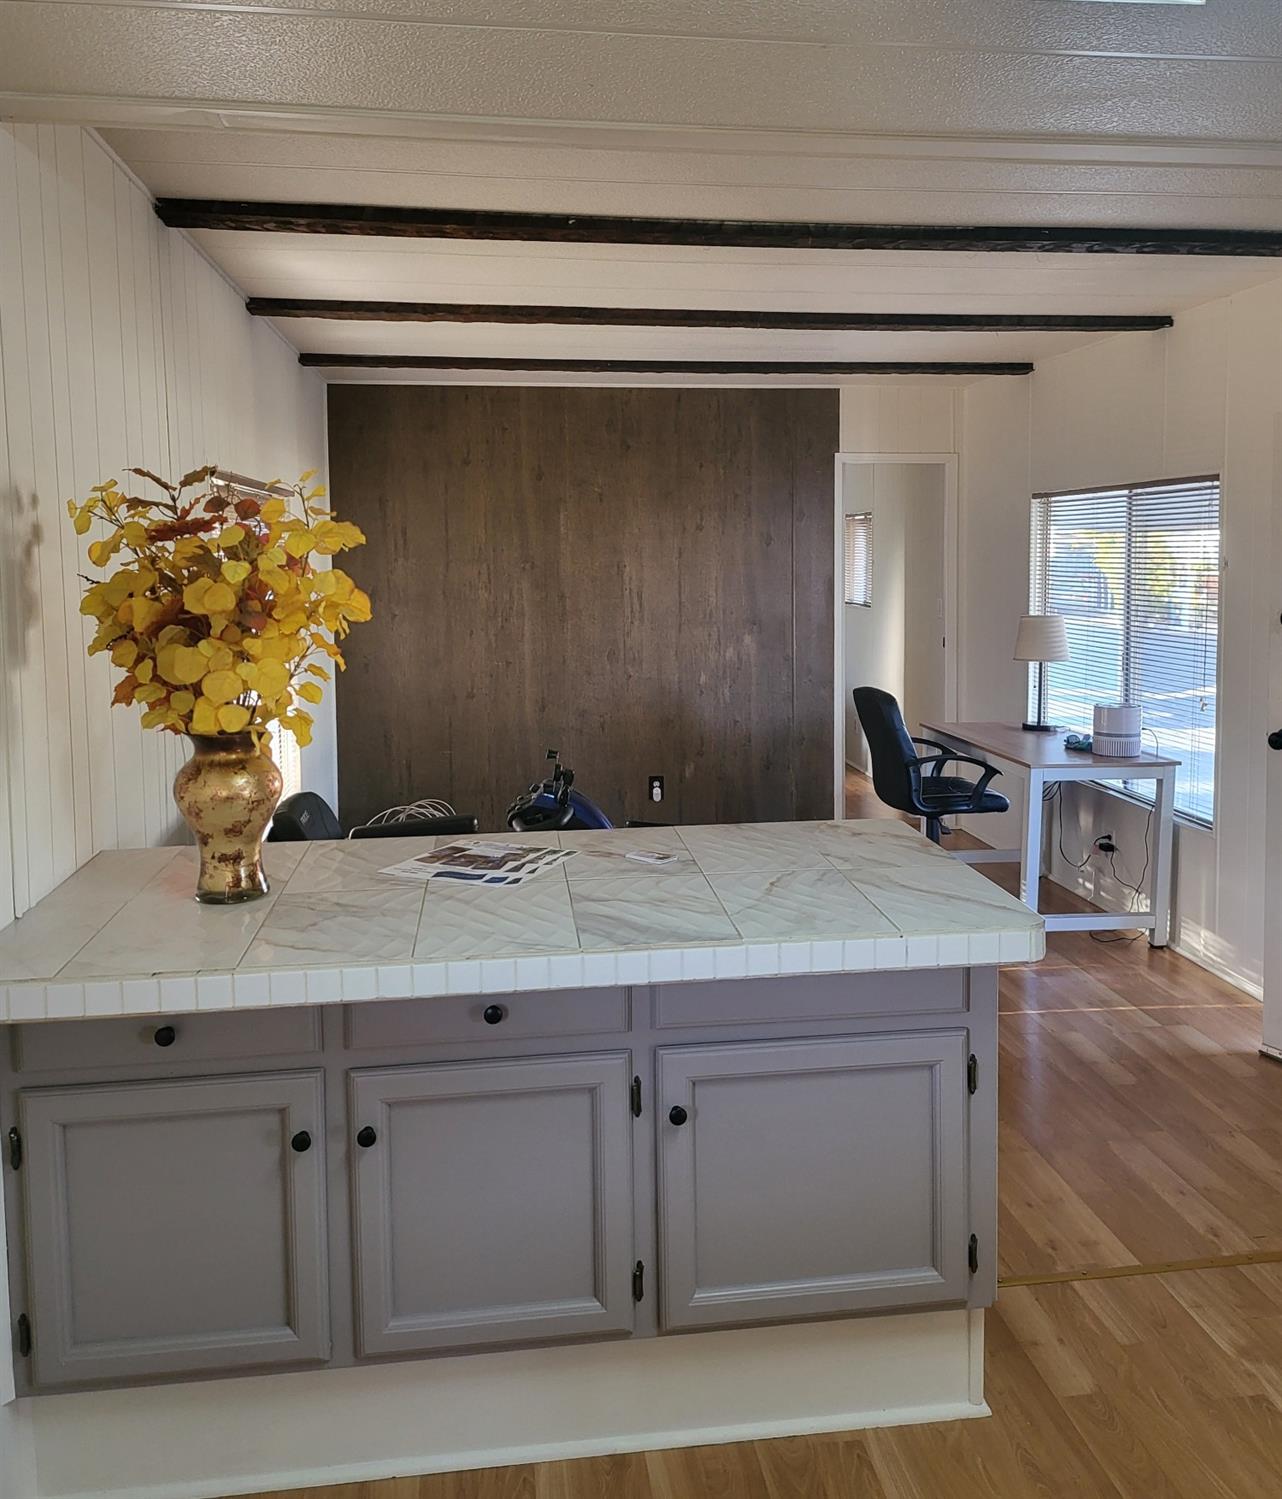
[[1104, 843], [656, 788]]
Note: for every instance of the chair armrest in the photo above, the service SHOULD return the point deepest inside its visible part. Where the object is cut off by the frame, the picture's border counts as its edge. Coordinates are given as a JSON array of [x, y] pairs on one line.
[[931, 743], [939, 761], [934, 744]]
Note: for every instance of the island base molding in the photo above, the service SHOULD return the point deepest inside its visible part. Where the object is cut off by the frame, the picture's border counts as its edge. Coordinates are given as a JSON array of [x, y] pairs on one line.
[[212, 1438]]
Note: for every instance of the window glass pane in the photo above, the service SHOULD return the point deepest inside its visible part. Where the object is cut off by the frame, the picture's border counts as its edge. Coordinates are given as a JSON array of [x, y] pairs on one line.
[[1172, 645], [1135, 573], [1083, 574], [858, 559], [288, 760]]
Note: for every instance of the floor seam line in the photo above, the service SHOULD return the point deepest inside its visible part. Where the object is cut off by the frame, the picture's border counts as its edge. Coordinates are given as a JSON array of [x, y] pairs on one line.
[[1126, 1272]]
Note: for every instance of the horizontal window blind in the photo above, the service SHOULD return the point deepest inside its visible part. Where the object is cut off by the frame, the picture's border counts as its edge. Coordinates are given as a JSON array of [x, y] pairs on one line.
[[1135, 573], [858, 559]]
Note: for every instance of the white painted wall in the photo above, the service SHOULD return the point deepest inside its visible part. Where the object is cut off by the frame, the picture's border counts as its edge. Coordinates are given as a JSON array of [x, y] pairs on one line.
[[993, 520], [899, 418], [120, 345], [1201, 398], [921, 486], [894, 643], [874, 635]]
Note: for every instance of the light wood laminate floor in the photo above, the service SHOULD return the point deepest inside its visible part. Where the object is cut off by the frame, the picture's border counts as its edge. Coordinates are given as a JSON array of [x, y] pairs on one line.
[[1140, 1131]]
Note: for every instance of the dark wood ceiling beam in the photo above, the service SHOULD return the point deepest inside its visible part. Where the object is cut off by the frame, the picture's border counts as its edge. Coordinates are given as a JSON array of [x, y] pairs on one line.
[[664, 366], [601, 229], [695, 317]]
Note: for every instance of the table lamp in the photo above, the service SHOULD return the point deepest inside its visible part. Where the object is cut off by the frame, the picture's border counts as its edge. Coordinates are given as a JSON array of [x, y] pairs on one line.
[[1041, 638]]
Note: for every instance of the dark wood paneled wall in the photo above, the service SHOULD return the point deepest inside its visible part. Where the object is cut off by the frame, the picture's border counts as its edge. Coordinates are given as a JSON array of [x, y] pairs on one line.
[[640, 578]]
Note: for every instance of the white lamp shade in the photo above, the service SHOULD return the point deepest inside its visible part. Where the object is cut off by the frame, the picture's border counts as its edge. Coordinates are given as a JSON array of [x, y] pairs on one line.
[[1041, 637]]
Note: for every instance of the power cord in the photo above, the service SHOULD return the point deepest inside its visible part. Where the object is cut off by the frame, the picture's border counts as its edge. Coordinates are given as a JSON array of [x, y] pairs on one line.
[[412, 812], [1136, 889], [1054, 794]]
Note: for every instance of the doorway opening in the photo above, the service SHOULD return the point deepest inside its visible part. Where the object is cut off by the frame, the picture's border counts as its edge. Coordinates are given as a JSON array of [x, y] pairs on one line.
[[895, 598]]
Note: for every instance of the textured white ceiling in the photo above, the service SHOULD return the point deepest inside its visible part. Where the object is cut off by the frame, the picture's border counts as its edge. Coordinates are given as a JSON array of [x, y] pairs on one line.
[[348, 267], [728, 175], [300, 265], [542, 341], [887, 67], [873, 111]]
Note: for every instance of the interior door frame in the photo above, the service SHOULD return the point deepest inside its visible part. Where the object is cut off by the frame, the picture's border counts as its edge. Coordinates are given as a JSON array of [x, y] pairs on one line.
[[842, 461], [1271, 1020]]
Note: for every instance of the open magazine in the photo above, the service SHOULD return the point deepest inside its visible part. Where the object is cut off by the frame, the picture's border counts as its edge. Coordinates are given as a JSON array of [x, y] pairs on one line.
[[481, 862]]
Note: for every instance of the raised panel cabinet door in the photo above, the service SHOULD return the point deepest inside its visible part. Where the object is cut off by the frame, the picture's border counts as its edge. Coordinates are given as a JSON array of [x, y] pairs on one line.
[[175, 1227], [493, 1201], [809, 1178]]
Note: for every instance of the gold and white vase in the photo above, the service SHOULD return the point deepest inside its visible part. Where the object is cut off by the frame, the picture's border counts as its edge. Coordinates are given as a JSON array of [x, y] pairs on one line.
[[227, 793]]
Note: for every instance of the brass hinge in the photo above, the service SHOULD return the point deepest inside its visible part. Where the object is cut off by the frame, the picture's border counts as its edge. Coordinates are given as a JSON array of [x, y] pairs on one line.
[[15, 1148], [24, 1335], [638, 1281], [972, 1073], [972, 1253], [636, 1098]]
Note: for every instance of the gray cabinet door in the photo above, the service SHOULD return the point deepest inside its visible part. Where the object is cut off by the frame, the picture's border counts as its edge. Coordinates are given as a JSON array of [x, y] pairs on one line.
[[811, 1177], [493, 1201], [175, 1227]]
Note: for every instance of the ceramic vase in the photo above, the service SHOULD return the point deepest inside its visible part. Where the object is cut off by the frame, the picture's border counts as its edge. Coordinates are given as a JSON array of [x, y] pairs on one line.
[[227, 793]]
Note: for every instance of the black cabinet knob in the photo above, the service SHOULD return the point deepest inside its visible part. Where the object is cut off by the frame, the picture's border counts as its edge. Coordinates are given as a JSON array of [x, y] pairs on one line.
[[677, 1115], [366, 1137], [301, 1141], [164, 1035], [1275, 740], [492, 1014]]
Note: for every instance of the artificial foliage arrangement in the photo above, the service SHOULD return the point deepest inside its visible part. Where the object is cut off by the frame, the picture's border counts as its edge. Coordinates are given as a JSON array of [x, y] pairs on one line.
[[219, 616], [218, 612]]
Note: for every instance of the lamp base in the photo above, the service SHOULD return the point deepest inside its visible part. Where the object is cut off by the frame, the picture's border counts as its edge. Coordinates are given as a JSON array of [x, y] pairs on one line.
[[1040, 728]]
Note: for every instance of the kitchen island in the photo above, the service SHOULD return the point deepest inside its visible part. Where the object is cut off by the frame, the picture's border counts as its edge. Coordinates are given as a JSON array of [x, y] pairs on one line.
[[633, 1154]]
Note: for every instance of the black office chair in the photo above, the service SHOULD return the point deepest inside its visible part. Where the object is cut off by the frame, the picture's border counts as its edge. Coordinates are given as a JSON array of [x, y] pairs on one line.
[[418, 827], [897, 768], [302, 816]]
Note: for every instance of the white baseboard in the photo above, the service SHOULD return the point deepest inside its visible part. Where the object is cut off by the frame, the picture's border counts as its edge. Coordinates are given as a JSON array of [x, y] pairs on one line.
[[1218, 970], [241, 1436], [1069, 879]]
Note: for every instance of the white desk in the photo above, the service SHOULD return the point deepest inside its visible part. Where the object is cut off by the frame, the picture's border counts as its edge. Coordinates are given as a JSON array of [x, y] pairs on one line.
[[1039, 759]]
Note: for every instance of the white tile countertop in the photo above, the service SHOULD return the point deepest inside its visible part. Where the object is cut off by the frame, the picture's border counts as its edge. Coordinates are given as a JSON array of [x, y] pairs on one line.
[[124, 935]]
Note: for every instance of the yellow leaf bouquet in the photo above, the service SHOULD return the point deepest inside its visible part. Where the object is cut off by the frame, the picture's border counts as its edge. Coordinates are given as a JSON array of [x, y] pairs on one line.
[[219, 612]]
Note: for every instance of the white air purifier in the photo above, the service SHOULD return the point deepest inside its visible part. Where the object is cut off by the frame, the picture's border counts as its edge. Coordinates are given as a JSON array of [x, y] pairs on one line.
[[1117, 730]]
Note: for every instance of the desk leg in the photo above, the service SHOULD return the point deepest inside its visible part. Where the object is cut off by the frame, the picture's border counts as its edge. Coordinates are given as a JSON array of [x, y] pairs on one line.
[[1160, 885], [1030, 862]]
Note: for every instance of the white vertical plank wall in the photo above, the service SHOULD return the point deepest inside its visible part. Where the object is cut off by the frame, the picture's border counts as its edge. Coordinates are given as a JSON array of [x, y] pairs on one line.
[[1202, 397], [120, 346]]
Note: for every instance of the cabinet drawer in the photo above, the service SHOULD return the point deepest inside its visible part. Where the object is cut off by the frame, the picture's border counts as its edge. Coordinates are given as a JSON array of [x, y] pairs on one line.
[[162, 1040], [827, 996], [488, 1017]]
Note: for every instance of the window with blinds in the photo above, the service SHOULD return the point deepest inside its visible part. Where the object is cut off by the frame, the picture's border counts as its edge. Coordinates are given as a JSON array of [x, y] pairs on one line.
[[288, 758], [1136, 575], [858, 555]]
